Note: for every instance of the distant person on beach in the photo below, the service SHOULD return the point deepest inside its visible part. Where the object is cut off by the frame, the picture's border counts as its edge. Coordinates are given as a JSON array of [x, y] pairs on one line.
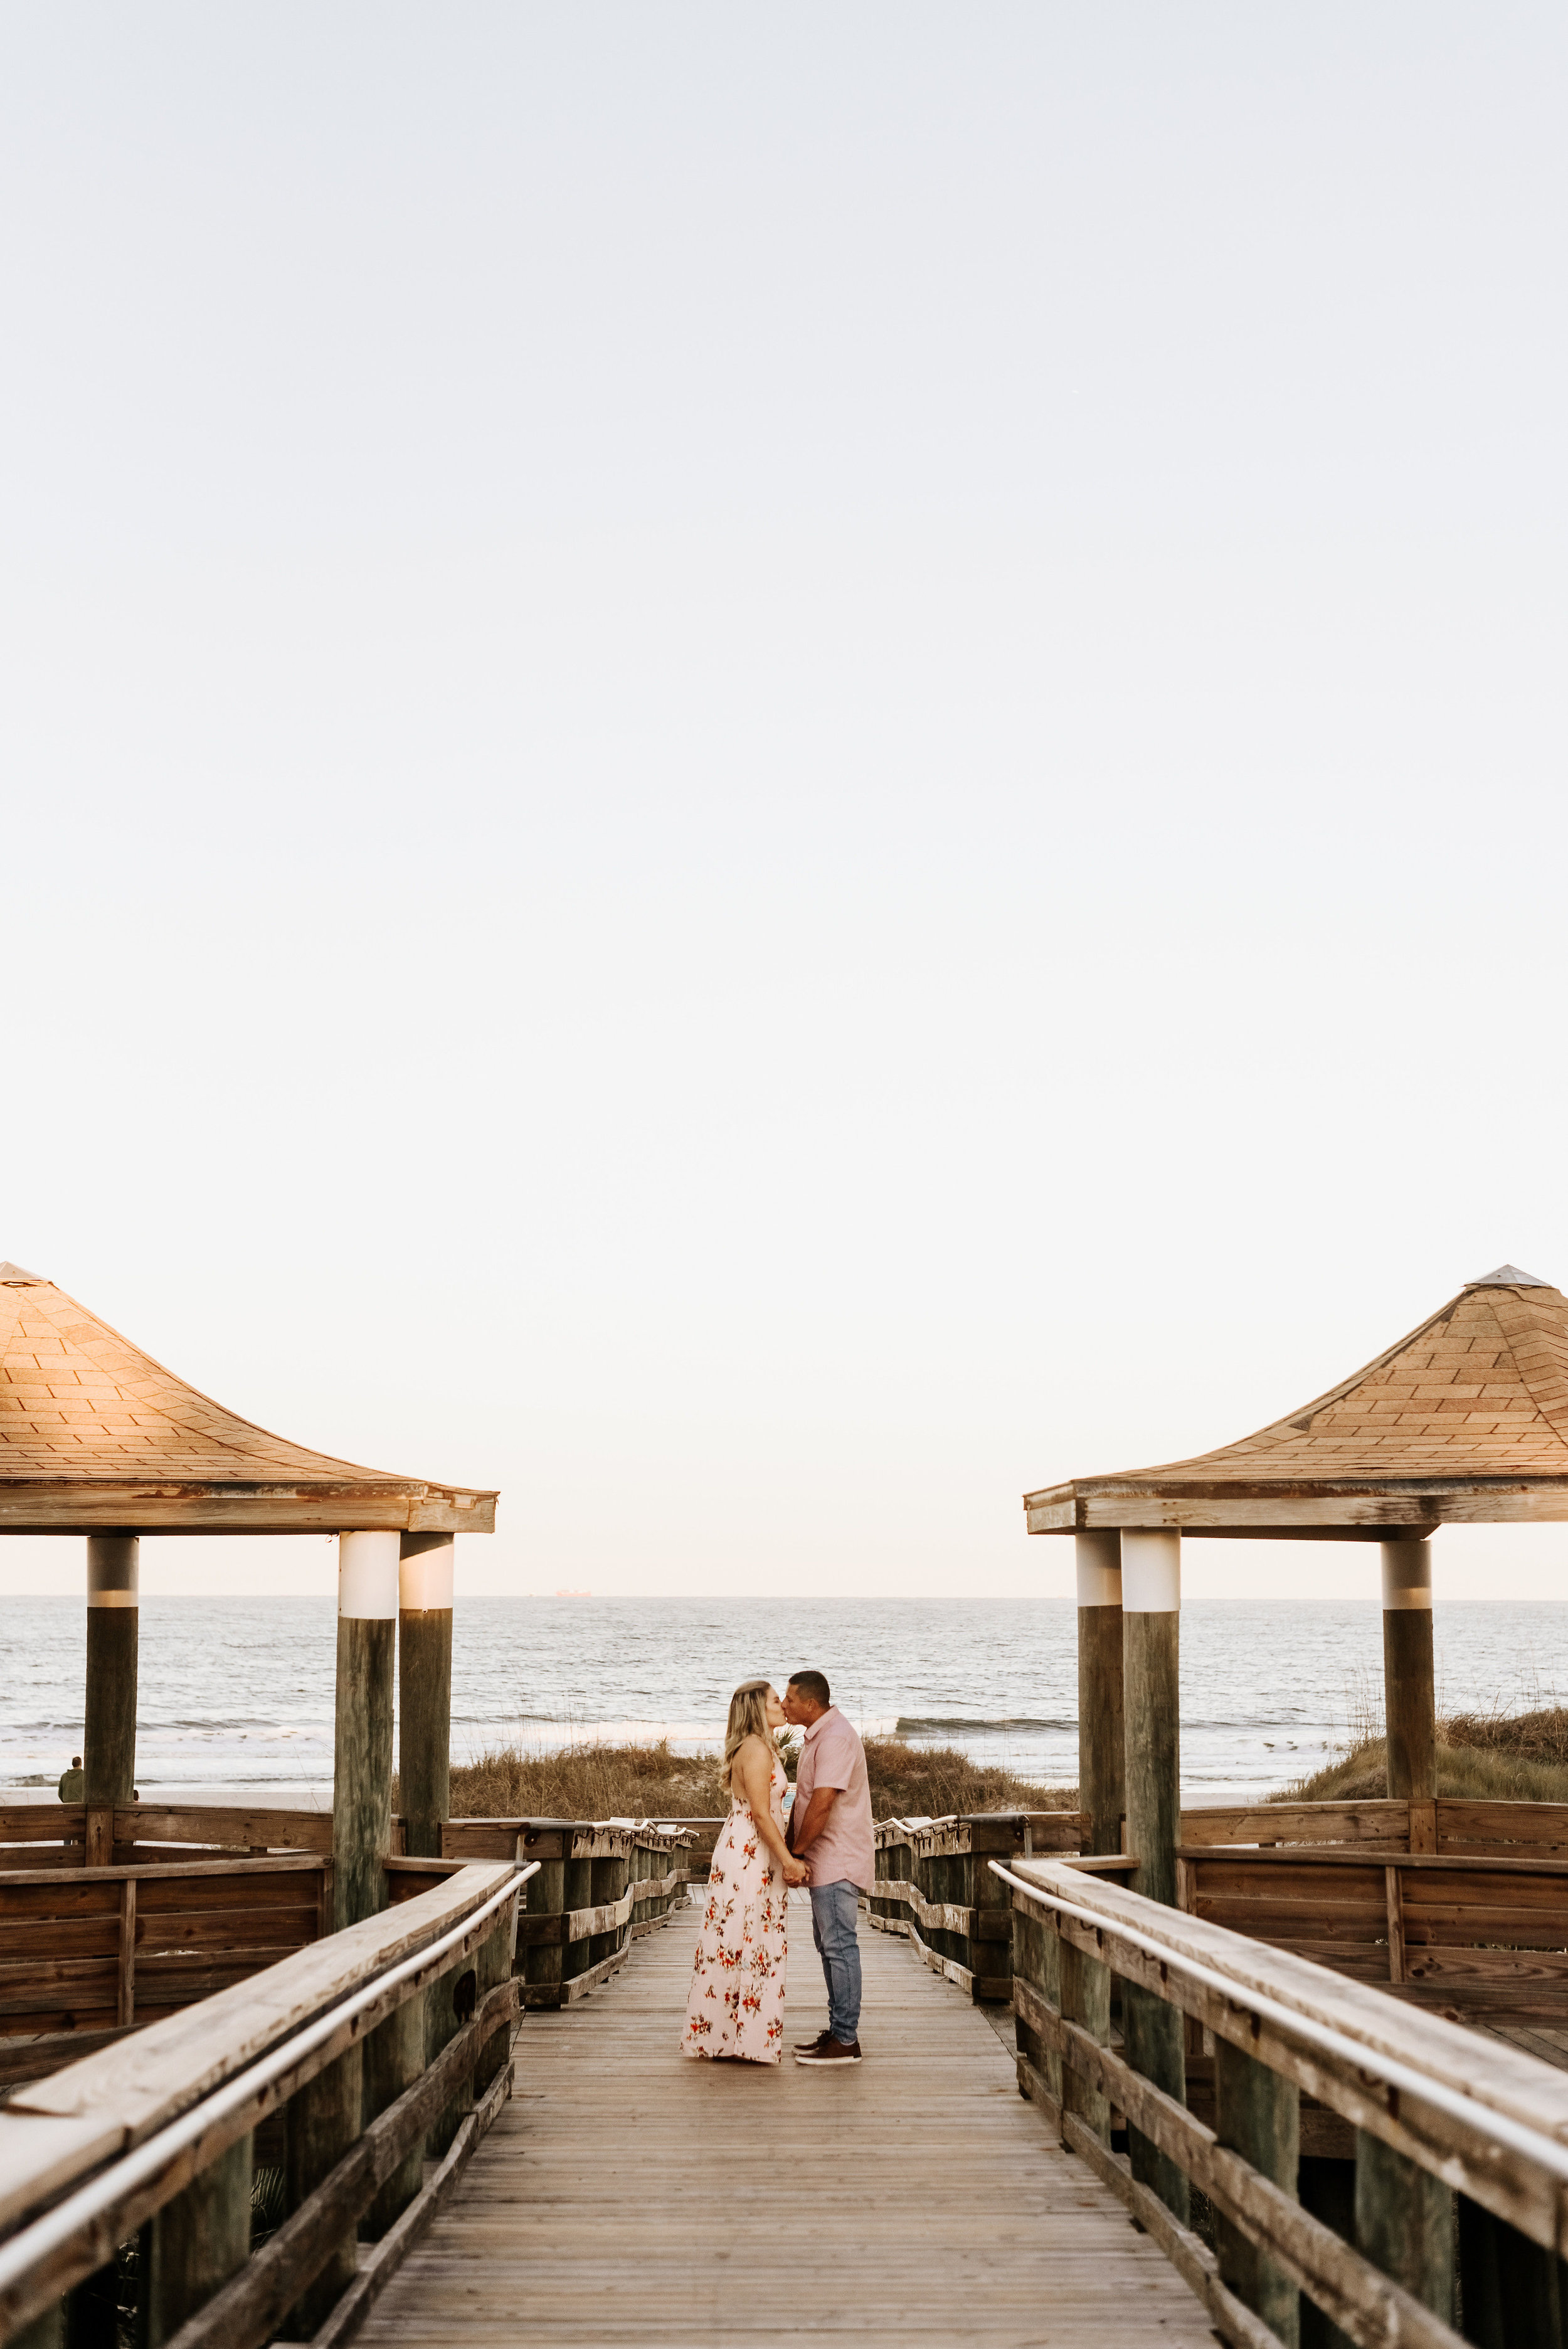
[[830, 1829], [735, 2008], [72, 1785]]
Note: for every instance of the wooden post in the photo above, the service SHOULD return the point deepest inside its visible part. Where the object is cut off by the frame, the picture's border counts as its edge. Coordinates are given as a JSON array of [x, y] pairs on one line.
[[579, 1894], [607, 1883], [394, 2059], [198, 2241], [1409, 1696], [1404, 2223], [544, 1895], [362, 1761], [424, 1689], [1258, 2116], [322, 2122], [1151, 1602], [1102, 1723], [1509, 2286], [1085, 1998], [108, 1744], [493, 1965]]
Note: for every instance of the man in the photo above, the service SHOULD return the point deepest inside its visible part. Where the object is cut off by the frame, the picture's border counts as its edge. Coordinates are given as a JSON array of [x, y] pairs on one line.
[[830, 1830]]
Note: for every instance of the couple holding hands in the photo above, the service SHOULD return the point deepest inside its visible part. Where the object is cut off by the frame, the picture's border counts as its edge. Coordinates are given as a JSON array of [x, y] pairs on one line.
[[735, 2007]]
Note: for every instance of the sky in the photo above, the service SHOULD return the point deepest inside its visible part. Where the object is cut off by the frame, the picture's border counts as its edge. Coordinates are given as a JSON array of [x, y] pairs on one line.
[[769, 771]]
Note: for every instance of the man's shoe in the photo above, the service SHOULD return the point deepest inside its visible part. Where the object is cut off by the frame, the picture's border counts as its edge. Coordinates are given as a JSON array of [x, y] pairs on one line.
[[830, 2051], [809, 2046]]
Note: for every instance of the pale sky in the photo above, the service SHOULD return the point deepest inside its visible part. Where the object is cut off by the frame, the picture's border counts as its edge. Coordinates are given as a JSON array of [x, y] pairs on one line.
[[766, 771]]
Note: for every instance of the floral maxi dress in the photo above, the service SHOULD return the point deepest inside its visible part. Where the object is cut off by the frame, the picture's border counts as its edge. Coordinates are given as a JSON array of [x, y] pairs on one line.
[[737, 2002]]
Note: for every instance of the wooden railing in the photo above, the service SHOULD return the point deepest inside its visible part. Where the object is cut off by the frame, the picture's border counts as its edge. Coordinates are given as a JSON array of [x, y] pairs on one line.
[[933, 1885], [343, 2064], [99, 1949], [1537, 1828], [594, 1889], [54, 1834], [1483, 1933], [1436, 2114]]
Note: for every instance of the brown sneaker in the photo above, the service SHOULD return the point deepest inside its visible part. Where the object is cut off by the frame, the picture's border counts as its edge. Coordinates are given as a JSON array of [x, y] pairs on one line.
[[830, 2051], [809, 2046]]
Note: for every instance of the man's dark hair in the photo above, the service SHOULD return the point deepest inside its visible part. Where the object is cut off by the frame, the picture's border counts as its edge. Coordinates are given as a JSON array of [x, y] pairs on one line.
[[811, 1684]]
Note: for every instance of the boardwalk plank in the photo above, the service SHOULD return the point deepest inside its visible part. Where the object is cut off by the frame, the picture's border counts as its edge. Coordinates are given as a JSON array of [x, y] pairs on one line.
[[626, 2195]]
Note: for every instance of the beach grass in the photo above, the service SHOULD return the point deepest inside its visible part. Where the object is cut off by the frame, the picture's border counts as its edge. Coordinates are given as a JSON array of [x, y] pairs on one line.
[[1497, 1757], [588, 1781]]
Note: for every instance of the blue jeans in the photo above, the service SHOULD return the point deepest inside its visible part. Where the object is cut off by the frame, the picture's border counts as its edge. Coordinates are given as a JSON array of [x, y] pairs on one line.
[[835, 1908]]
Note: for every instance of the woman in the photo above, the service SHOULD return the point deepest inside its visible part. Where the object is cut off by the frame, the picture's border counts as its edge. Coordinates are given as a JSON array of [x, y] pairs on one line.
[[737, 2002]]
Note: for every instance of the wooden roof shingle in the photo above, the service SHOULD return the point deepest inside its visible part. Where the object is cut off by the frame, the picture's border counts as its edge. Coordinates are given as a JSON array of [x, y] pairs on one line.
[[1464, 1422], [96, 1436]]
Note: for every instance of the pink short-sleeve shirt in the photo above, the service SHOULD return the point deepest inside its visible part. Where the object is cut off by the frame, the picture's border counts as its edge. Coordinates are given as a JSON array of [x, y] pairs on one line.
[[833, 1756]]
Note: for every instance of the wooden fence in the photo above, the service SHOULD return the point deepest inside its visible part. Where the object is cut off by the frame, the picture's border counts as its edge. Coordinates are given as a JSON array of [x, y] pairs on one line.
[[933, 1885], [344, 2064], [1460, 2167], [595, 1888], [99, 1949], [54, 1834], [1483, 1933]]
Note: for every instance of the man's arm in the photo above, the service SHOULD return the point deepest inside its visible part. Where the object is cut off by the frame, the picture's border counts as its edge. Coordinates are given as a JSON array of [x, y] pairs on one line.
[[815, 1819]]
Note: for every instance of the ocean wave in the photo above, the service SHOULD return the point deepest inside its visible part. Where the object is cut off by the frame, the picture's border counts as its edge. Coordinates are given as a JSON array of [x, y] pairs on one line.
[[963, 1724]]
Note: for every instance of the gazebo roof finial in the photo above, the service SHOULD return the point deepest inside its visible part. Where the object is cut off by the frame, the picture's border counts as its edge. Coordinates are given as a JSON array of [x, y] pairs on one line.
[[1508, 1275], [13, 1277]]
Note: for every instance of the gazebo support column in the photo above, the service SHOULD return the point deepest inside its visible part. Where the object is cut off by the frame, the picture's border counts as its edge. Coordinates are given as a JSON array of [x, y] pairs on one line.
[[1151, 1616], [1101, 1757], [362, 1760], [108, 1736], [424, 1689], [1409, 1701]]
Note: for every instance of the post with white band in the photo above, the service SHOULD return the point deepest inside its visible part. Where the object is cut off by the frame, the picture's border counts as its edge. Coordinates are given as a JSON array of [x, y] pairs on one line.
[[1152, 1619], [325, 2116], [424, 1689], [1102, 1761], [362, 1758], [1408, 1691], [108, 1734]]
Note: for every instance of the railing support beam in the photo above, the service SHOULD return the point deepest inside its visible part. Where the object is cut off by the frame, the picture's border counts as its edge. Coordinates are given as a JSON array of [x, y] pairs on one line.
[[1404, 2223], [1258, 2116], [198, 2241]]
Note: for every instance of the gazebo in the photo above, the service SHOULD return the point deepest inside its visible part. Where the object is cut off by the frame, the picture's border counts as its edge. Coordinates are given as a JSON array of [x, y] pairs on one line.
[[97, 1439], [1464, 1422]]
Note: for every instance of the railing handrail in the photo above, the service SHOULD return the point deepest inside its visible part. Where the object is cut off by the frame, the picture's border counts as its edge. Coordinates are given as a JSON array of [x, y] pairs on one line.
[[53, 2130], [1534, 2140], [1358, 2049], [272, 1863], [234, 2100]]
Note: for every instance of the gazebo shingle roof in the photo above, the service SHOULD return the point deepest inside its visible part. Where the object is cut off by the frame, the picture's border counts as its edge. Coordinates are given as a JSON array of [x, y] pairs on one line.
[[96, 1435], [1464, 1420]]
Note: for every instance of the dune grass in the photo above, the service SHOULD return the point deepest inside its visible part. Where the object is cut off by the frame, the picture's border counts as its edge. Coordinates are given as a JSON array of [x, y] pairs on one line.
[[585, 1781], [1496, 1757]]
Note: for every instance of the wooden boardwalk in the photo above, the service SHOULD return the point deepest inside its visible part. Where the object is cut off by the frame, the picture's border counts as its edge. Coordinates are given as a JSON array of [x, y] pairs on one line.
[[626, 2195]]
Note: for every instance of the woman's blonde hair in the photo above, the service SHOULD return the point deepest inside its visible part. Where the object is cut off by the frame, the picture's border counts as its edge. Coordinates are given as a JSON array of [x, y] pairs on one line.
[[747, 1718]]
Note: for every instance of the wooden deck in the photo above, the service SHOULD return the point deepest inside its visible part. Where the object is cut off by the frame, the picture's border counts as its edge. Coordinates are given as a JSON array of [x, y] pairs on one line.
[[628, 2194]]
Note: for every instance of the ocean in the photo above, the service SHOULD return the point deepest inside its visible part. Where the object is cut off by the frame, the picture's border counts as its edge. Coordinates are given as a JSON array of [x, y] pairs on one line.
[[236, 1693]]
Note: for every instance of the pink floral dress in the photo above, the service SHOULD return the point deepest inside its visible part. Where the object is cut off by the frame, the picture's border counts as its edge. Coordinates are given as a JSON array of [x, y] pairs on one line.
[[737, 2002]]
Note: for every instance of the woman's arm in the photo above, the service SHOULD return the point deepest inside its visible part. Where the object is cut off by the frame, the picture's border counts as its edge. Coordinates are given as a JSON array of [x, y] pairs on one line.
[[754, 1768]]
